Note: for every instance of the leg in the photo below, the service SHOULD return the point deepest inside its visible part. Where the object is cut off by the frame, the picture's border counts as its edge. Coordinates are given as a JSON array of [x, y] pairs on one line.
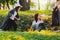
[[42, 26], [14, 26]]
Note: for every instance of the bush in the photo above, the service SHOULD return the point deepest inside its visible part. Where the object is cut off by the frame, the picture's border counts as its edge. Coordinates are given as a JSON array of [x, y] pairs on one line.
[[25, 22]]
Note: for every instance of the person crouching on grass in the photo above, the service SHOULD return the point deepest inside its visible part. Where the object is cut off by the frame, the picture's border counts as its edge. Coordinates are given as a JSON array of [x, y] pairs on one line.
[[9, 23], [38, 24]]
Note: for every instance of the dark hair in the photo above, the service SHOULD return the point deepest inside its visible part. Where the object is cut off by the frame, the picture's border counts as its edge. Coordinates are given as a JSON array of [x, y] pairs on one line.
[[16, 8], [36, 15]]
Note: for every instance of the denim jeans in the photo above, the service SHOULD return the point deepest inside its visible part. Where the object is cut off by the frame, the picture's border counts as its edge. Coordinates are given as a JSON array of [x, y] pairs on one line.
[[39, 27], [35, 27]]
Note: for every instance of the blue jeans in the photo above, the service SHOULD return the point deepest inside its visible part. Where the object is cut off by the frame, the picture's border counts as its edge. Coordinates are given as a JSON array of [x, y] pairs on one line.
[[35, 27], [39, 27]]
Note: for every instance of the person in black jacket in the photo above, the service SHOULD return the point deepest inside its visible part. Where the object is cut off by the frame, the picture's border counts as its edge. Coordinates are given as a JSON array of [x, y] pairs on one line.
[[55, 16], [9, 23]]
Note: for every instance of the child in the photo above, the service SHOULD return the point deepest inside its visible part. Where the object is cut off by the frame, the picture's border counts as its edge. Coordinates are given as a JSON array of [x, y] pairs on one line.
[[37, 24]]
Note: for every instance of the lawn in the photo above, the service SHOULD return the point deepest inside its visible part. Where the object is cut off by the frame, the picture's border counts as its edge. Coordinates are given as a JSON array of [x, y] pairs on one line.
[[26, 18], [30, 35]]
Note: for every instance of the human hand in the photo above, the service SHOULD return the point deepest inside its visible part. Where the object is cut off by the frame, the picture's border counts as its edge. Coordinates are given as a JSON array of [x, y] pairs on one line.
[[18, 18]]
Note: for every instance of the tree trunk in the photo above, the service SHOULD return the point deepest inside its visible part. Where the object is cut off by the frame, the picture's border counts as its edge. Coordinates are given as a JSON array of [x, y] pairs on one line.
[[24, 4], [0, 5], [29, 4], [38, 5], [3, 6], [7, 1], [57, 0]]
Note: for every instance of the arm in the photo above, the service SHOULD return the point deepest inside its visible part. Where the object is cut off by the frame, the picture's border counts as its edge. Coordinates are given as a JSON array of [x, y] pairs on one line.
[[17, 18], [31, 28]]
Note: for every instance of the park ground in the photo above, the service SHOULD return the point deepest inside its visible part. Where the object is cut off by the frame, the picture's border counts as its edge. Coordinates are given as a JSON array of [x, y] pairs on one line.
[[26, 18], [30, 35]]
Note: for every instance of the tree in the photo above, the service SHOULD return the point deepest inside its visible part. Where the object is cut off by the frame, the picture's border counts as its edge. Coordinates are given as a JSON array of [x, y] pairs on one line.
[[48, 4], [10, 2], [2, 2], [25, 4], [38, 5], [29, 1], [57, 0], [32, 4], [7, 2]]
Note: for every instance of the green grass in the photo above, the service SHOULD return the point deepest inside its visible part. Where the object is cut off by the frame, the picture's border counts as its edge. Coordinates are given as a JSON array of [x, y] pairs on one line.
[[5, 35], [26, 17], [47, 12]]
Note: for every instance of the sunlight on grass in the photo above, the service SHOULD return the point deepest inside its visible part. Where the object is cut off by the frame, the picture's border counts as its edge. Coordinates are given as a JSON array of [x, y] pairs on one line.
[[10, 36], [44, 32], [30, 35]]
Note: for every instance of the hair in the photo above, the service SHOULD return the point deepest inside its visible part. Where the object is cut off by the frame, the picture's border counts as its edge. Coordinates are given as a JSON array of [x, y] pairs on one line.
[[36, 15], [16, 8]]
